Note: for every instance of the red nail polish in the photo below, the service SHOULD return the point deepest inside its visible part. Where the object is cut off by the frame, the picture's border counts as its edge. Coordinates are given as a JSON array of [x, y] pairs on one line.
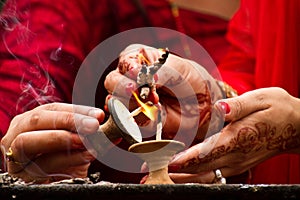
[[225, 107], [174, 168], [129, 89], [155, 78], [105, 108]]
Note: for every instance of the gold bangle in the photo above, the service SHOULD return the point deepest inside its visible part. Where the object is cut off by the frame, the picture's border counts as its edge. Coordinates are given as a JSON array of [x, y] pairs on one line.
[[227, 90]]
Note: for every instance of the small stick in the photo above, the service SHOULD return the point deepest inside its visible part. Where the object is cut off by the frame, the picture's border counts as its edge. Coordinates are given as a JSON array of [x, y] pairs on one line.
[[136, 112]]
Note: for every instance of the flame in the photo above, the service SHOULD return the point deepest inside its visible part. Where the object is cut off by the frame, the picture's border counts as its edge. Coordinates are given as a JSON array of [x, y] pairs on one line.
[[149, 110], [142, 59]]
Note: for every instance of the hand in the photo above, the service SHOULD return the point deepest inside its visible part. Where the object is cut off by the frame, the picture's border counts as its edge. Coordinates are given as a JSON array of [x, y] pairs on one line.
[[182, 88], [262, 124], [45, 145]]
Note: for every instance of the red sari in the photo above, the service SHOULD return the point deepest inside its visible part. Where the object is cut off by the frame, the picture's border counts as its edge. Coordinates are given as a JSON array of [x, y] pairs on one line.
[[43, 44], [265, 52]]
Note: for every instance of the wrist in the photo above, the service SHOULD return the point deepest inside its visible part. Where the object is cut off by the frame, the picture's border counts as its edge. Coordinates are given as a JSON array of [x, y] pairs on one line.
[[297, 121]]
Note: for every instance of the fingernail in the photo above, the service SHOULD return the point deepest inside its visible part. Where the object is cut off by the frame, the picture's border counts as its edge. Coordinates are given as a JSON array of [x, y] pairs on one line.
[[143, 180], [129, 89], [224, 106], [90, 122], [155, 78], [90, 125], [105, 107], [174, 168], [95, 113]]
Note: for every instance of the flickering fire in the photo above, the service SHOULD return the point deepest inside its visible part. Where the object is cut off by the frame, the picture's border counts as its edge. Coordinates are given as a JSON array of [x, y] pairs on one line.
[[148, 109], [142, 59]]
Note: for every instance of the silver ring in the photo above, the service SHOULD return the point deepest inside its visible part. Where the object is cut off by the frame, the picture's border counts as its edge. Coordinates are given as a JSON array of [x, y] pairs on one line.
[[219, 177]]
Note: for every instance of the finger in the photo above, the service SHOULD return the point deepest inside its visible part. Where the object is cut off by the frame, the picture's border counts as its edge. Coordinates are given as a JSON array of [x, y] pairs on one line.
[[29, 145], [79, 109], [48, 120], [118, 84], [200, 157], [56, 166], [182, 159], [60, 162], [204, 177], [238, 107]]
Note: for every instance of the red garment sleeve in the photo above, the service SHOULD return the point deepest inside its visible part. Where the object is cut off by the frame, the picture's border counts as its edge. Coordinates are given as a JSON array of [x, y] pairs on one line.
[[237, 67], [43, 44], [264, 36]]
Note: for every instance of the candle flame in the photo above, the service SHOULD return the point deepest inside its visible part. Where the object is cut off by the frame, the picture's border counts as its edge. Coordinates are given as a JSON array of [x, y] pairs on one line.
[[142, 59], [149, 110]]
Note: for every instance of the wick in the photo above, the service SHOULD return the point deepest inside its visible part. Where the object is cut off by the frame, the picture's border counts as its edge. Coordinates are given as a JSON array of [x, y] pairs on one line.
[[136, 112], [159, 126]]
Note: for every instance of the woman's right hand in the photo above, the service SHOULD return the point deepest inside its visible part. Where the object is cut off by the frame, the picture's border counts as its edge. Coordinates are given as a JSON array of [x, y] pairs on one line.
[[43, 144], [185, 91]]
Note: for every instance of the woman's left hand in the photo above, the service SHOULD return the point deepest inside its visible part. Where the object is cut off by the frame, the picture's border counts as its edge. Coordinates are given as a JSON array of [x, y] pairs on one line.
[[262, 123]]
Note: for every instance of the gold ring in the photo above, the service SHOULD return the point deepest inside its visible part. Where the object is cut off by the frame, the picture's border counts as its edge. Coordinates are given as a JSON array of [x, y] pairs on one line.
[[10, 158], [219, 177], [9, 155]]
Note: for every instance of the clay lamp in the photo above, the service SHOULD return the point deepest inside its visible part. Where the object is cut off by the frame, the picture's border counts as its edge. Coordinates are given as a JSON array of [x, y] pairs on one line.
[[156, 153], [120, 125]]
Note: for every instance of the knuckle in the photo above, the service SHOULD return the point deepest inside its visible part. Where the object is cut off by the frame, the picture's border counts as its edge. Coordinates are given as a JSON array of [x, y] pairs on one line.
[[34, 119], [18, 144], [50, 106], [68, 119], [238, 106], [16, 120], [4, 142]]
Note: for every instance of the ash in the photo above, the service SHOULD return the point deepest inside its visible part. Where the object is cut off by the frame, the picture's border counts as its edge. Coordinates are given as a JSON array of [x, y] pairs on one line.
[[91, 179], [7, 179]]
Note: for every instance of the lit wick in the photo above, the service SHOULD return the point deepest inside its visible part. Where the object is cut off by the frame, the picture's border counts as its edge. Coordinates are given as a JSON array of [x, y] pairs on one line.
[[151, 111]]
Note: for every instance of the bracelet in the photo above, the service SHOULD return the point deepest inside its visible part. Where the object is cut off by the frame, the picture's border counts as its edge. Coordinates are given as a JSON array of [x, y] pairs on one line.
[[227, 90]]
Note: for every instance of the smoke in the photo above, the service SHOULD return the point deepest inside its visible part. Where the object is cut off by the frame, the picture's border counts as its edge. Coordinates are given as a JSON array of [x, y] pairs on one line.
[[36, 85]]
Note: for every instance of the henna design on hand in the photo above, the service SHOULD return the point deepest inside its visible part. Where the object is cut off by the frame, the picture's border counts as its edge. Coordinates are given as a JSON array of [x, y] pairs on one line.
[[123, 67], [250, 140]]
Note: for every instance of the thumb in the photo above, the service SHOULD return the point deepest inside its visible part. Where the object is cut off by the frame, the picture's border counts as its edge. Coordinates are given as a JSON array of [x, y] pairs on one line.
[[238, 107]]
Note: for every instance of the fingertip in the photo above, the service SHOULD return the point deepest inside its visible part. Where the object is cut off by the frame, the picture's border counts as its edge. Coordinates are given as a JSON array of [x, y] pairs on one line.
[[89, 125], [143, 180], [223, 107], [97, 113]]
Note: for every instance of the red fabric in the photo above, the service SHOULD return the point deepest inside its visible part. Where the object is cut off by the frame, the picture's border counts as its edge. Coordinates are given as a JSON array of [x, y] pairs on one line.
[[265, 52], [44, 42]]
